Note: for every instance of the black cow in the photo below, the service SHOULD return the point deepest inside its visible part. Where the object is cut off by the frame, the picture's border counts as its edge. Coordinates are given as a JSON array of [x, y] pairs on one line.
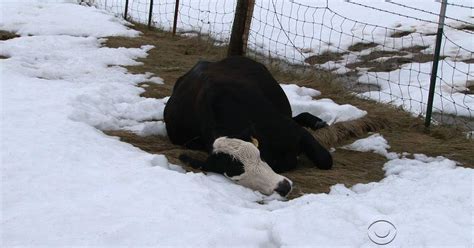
[[231, 107]]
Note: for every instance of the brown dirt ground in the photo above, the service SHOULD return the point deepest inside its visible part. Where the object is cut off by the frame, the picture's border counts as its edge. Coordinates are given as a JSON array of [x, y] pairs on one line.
[[173, 56]]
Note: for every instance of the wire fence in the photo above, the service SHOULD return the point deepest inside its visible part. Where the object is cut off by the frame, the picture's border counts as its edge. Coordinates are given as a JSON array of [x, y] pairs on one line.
[[385, 59]]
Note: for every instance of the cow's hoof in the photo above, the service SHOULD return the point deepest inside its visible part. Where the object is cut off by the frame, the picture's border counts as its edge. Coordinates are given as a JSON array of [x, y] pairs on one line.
[[319, 125]]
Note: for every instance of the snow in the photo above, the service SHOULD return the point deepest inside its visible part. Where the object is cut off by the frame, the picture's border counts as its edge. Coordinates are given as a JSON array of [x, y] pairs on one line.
[[375, 143], [43, 19], [301, 100], [148, 128], [162, 161], [65, 183]]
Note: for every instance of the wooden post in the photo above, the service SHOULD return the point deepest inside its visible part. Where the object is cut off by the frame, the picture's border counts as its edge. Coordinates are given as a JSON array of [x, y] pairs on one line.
[[248, 23], [175, 20], [241, 28], [150, 14]]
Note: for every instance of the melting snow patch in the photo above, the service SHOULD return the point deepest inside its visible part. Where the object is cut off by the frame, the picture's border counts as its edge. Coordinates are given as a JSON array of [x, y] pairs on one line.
[[114, 107], [301, 100], [148, 128], [375, 143], [296, 92], [162, 161]]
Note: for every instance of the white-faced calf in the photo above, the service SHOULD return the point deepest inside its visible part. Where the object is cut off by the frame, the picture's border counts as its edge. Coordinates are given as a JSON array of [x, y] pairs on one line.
[[236, 111]]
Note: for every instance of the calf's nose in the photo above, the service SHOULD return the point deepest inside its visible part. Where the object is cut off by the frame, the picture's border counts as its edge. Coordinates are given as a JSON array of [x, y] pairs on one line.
[[283, 188]]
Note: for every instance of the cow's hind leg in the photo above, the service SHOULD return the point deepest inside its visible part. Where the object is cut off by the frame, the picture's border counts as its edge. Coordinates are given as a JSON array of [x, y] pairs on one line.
[[319, 155], [308, 120], [195, 144]]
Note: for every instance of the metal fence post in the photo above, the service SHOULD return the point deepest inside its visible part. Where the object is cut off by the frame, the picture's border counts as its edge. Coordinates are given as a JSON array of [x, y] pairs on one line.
[[150, 14], [434, 68], [125, 15], [241, 27], [175, 20]]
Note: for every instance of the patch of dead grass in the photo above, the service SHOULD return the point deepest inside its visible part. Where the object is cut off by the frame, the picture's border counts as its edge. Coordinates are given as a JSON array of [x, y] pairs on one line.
[[400, 34], [468, 61], [172, 56], [380, 54], [357, 47], [471, 89], [324, 57], [395, 59], [6, 35], [466, 27], [430, 34], [414, 49]]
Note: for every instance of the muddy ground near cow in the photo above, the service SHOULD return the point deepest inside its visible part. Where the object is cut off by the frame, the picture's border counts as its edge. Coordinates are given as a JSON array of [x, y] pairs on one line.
[[175, 55]]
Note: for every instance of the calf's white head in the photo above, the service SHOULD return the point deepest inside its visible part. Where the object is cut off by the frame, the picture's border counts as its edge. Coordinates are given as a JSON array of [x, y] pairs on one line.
[[244, 166]]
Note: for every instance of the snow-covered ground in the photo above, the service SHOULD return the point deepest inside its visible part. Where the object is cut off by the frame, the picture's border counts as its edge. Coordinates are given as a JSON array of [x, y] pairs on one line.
[[65, 183], [299, 29]]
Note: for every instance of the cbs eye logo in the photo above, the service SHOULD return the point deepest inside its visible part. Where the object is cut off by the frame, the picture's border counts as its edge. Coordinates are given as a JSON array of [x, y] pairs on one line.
[[382, 232]]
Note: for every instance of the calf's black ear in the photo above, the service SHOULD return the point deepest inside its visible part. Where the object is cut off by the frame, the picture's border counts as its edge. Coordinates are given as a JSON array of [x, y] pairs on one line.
[[196, 164], [225, 164], [216, 162]]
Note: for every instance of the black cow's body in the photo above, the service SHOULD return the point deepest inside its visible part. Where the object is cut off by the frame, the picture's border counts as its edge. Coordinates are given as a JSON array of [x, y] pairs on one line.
[[227, 97]]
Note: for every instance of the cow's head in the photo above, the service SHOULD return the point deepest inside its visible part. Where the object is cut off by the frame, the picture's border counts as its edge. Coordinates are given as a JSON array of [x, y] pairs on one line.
[[240, 161]]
